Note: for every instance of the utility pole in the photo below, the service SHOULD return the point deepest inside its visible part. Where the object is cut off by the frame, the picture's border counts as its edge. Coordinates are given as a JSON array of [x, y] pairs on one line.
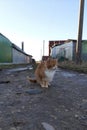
[[22, 44], [80, 29]]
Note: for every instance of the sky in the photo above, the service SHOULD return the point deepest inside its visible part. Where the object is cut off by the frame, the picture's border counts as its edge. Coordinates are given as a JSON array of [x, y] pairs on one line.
[[33, 21]]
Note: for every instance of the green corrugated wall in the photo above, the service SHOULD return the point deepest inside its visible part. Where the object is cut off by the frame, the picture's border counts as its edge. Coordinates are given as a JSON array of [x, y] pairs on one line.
[[5, 50], [84, 46]]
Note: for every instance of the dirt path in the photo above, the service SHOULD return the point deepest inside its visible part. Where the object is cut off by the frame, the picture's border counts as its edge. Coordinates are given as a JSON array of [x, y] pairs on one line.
[[25, 106]]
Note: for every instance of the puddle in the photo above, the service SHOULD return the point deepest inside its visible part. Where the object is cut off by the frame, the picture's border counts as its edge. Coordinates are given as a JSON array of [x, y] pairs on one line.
[[33, 91]]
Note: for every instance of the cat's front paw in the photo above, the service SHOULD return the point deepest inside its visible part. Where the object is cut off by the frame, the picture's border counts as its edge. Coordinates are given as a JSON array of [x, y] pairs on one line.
[[44, 86]]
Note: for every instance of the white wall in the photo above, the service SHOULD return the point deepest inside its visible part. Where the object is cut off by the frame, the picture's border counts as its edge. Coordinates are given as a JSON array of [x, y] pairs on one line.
[[65, 50], [19, 57]]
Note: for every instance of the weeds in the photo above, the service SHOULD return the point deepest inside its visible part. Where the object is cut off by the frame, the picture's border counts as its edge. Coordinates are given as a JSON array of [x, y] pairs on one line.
[[73, 66]]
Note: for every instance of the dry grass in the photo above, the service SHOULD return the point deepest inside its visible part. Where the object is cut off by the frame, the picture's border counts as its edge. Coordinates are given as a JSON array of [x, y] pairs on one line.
[[73, 66], [64, 65]]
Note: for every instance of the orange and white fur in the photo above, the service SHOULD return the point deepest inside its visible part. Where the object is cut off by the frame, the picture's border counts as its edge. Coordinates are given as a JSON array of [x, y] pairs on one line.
[[45, 72]]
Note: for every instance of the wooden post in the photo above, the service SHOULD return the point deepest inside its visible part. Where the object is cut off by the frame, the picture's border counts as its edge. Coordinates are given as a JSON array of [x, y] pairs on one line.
[[80, 29]]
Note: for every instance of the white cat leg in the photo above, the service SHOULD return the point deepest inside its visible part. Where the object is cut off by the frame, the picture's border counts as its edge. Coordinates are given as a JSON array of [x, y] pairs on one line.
[[42, 85], [47, 85]]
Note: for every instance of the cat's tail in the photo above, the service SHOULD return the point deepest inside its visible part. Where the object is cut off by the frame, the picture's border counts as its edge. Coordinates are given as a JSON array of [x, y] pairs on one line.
[[32, 80]]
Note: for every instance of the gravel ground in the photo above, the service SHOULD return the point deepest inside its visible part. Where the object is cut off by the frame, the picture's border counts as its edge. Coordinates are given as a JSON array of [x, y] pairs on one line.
[[27, 106]]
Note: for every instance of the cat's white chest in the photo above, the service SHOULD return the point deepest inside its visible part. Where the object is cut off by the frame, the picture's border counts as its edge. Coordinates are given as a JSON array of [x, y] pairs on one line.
[[50, 74]]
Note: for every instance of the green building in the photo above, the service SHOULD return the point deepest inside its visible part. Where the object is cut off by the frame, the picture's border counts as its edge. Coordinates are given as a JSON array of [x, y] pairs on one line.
[[84, 50], [10, 53], [5, 49]]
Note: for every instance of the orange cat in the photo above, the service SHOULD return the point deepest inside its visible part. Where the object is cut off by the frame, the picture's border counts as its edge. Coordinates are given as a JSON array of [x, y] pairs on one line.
[[45, 72]]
